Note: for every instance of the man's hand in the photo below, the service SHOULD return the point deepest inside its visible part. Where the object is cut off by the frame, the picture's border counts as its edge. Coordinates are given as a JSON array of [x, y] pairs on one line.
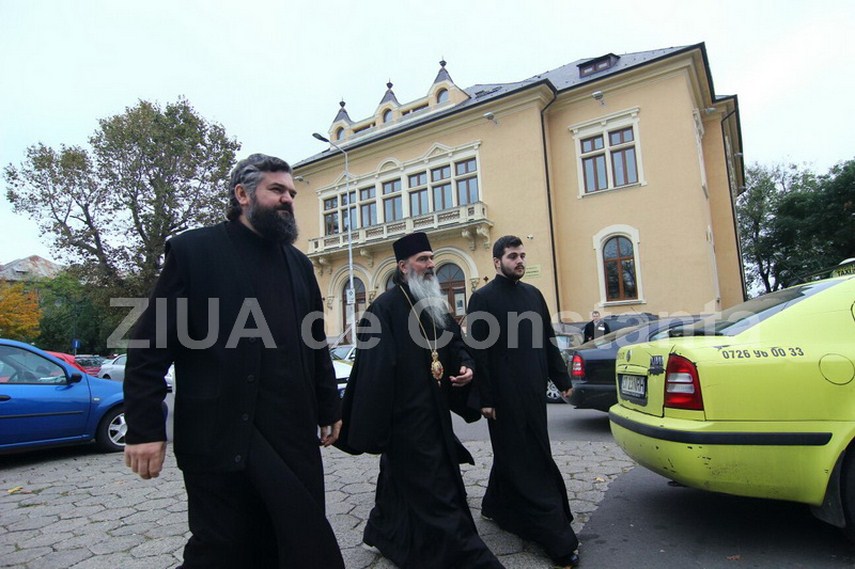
[[489, 412], [146, 459], [464, 377], [329, 433]]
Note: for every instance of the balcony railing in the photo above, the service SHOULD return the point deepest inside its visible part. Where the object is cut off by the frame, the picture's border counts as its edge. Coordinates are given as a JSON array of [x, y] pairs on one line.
[[454, 219]]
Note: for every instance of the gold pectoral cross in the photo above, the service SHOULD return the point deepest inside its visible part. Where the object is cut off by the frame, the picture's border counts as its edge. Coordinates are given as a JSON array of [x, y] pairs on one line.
[[436, 368]]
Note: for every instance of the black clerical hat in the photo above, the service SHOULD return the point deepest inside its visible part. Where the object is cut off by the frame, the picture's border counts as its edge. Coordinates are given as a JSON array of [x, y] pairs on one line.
[[409, 245]]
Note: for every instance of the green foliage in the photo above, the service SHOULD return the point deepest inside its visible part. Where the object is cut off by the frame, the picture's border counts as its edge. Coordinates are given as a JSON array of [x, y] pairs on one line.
[[151, 173], [793, 223], [70, 309]]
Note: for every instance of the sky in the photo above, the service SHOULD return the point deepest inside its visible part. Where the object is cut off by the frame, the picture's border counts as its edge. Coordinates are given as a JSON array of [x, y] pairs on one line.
[[273, 71]]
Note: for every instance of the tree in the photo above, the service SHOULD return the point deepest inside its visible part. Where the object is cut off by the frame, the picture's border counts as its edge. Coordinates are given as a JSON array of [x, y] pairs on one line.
[[837, 208], [793, 223], [71, 310], [757, 210], [151, 173], [19, 312]]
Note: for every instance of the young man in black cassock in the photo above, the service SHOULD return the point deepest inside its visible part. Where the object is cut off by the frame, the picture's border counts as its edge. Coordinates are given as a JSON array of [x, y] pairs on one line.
[[412, 367], [251, 394], [526, 493]]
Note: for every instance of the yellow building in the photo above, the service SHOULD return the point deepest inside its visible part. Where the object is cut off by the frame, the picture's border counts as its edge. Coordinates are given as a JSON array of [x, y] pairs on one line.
[[618, 172]]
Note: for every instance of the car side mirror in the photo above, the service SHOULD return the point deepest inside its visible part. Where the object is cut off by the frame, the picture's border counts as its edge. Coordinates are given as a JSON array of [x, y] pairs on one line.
[[75, 377]]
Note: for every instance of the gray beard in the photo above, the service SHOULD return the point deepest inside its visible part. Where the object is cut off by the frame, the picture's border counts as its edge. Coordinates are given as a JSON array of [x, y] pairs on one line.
[[429, 297]]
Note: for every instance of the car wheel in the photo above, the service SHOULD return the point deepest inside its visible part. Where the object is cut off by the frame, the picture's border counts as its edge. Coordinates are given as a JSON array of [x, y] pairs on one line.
[[105, 376], [552, 393], [847, 488], [110, 436]]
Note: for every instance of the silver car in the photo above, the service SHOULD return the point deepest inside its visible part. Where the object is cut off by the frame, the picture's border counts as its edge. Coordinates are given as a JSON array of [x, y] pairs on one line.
[[115, 369]]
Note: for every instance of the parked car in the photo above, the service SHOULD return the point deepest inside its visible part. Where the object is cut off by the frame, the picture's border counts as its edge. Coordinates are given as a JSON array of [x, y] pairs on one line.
[[346, 352], [565, 342], [92, 364], [592, 365], [755, 402], [47, 401], [115, 369], [568, 335], [69, 359], [342, 370]]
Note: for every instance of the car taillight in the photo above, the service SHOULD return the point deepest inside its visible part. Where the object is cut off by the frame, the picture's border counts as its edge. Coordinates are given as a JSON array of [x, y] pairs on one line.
[[682, 385], [577, 366]]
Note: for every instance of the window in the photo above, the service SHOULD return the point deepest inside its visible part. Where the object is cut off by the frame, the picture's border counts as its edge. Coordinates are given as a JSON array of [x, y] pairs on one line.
[[467, 188], [368, 207], [340, 213], [623, 157], [619, 269], [339, 134], [597, 65], [419, 202], [422, 187], [609, 155], [393, 209], [438, 174], [594, 165], [452, 282], [387, 115], [21, 366], [442, 96], [391, 187], [331, 224], [442, 198]]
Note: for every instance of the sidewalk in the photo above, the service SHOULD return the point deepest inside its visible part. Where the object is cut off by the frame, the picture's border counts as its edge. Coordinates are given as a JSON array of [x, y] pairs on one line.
[[83, 510]]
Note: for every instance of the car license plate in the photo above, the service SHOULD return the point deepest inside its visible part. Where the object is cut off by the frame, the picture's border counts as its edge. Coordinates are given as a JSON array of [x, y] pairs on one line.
[[634, 386]]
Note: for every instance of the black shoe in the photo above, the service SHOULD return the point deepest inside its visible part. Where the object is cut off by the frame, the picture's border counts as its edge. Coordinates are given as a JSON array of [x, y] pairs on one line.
[[569, 562]]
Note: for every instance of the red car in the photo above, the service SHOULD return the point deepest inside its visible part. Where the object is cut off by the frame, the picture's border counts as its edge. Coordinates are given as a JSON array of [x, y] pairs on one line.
[[69, 359], [92, 364]]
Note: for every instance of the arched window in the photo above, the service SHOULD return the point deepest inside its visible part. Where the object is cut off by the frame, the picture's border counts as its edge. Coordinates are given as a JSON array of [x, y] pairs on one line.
[[390, 282], [387, 115], [339, 134], [619, 269], [452, 282], [442, 96], [359, 307]]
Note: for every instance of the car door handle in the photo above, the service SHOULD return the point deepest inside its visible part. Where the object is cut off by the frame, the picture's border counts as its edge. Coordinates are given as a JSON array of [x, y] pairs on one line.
[[5, 397]]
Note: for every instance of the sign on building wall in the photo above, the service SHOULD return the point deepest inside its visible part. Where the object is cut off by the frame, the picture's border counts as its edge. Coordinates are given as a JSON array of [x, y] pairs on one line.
[[532, 272]]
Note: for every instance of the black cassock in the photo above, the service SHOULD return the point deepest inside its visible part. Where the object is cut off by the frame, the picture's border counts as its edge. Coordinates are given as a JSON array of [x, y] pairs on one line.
[[526, 494], [394, 407]]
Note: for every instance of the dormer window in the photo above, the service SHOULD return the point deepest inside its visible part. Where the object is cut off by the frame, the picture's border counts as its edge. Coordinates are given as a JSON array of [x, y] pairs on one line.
[[442, 96], [597, 65], [387, 115], [339, 133]]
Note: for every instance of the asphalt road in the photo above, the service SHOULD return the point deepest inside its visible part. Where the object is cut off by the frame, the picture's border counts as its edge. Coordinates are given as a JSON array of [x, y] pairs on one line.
[[645, 521]]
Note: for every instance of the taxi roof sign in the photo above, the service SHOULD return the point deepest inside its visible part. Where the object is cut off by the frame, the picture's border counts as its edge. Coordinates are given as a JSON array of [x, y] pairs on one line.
[[846, 267]]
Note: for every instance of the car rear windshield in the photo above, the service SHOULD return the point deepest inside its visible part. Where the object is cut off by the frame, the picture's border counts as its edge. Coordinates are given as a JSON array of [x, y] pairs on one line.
[[743, 316]]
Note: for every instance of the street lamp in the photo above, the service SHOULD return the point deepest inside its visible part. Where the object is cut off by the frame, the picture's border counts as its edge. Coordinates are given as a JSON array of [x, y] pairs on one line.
[[351, 292]]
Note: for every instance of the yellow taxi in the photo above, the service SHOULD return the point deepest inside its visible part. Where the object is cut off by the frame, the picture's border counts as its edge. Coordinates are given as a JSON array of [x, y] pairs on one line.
[[757, 401]]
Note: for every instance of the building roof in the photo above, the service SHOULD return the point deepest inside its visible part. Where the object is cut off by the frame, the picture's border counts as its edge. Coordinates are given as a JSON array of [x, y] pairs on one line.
[[28, 268], [561, 79], [390, 95]]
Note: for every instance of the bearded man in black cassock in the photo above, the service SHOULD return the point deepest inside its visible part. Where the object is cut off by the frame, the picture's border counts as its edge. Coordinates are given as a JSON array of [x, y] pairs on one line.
[[412, 367], [513, 343]]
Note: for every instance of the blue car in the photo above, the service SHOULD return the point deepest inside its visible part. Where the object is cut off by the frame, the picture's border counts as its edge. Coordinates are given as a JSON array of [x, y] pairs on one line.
[[47, 402]]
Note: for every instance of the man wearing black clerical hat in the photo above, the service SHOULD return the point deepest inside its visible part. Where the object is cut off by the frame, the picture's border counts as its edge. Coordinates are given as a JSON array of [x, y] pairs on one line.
[[411, 368]]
